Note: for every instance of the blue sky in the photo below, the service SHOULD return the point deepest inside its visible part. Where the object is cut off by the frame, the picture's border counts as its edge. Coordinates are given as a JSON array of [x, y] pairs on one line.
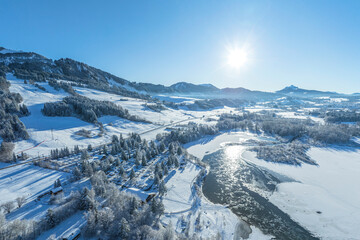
[[311, 44]]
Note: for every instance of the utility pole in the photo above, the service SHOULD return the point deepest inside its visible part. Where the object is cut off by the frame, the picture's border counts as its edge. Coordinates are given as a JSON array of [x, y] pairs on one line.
[[52, 134]]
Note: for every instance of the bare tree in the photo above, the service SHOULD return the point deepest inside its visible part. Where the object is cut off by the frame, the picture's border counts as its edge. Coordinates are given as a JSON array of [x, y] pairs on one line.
[[20, 201], [8, 206]]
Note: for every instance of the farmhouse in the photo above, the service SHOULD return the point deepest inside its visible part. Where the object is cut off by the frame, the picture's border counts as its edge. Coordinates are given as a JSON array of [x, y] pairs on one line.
[[144, 196], [56, 191]]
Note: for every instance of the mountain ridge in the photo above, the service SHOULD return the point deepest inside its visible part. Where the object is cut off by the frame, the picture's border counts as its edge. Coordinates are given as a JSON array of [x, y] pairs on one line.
[[28, 65]]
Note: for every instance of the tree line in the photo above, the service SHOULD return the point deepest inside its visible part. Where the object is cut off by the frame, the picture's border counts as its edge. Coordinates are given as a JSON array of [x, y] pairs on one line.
[[87, 109]]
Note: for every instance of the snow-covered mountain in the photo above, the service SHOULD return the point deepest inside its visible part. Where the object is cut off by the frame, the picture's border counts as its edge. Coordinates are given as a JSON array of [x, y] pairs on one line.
[[189, 87], [30, 65], [293, 90]]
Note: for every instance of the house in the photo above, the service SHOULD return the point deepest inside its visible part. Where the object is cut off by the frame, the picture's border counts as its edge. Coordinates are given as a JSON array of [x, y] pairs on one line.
[[145, 197], [56, 191]]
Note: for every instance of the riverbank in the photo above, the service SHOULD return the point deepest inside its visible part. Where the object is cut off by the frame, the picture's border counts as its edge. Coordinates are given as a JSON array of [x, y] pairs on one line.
[[194, 207], [189, 211], [323, 199]]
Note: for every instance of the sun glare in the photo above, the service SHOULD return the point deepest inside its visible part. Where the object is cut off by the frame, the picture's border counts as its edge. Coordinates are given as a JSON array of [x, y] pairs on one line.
[[237, 57]]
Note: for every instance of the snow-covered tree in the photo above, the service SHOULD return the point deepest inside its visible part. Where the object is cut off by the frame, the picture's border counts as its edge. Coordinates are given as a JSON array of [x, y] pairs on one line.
[[162, 188], [20, 201], [8, 206], [51, 219], [85, 155], [132, 174]]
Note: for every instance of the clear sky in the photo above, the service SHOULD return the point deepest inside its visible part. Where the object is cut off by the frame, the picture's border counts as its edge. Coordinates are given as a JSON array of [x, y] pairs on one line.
[[312, 44]]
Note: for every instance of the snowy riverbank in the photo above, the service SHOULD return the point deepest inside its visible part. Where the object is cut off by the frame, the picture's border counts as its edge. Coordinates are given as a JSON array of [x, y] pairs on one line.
[[324, 199], [188, 210], [218, 218]]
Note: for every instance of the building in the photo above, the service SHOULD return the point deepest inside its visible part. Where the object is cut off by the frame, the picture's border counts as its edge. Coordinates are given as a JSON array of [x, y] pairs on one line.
[[56, 191], [144, 196]]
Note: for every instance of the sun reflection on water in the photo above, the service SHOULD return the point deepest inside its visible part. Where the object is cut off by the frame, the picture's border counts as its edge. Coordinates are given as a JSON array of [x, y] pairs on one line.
[[232, 159]]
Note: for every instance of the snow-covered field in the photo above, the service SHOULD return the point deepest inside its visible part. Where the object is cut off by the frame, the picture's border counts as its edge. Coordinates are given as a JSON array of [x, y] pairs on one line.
[[136, 107], [326, 198], [26, 180], [300, 116], [176, 99], [60, 132], [48, 133]]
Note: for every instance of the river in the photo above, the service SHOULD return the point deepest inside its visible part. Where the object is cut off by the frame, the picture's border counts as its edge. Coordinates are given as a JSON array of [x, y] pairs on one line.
[[244, 187]]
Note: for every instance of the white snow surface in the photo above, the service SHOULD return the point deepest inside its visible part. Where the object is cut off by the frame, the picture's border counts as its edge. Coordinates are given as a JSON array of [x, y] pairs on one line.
[[59, 132], [26, 180], [136, 107], [331, 188], [67, 228], [300, 116]]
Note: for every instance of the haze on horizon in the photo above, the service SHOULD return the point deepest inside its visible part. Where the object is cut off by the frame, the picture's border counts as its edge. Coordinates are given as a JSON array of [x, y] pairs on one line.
[[259, 45]]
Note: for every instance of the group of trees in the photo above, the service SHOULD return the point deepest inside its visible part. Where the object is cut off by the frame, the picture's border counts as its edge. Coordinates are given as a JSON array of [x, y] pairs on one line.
[[122, 216], [156, 107], [57, 85], [17, 229], [56, 153], [87, 109], [342, 116], [134, 153], [289, 127], [11, 128], [189, 133], [10, 205], [208, 104], [290, 153]]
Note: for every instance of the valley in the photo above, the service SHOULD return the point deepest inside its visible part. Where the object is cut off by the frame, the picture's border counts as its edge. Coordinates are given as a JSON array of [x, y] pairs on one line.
[[85, 154]]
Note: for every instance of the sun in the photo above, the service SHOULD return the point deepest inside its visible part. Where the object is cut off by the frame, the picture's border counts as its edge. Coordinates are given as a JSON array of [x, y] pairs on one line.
[[237, 57]]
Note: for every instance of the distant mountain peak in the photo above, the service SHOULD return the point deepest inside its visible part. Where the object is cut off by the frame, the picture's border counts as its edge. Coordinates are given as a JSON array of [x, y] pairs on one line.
[[189, 87], [293, 87], [5, 51], [290, 88], [300, 91]]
